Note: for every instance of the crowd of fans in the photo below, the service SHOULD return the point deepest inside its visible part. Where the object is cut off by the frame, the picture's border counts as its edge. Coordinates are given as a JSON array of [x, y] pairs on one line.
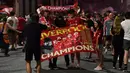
[[110, 31]]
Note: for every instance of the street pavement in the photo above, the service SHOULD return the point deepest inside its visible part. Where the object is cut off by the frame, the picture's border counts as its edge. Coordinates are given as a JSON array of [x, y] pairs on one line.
[[16, 64]]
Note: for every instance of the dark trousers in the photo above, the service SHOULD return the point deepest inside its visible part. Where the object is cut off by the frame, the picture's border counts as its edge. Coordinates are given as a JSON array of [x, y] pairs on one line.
[[77, 57], [4, 45], [67, 60], [6, 51], [20, 38], [118, 50]]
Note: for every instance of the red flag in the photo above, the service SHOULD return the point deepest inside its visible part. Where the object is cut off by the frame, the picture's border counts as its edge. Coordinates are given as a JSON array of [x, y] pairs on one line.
[[75, 4]]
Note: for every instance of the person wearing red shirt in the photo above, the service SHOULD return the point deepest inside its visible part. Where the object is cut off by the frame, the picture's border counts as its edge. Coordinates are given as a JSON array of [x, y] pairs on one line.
[[21, 25], [71, 21], [76, 41], [98, 44], [44, 19], [106, 15]]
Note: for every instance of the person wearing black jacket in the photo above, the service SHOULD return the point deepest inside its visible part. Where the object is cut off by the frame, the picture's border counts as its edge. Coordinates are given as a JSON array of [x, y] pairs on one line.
[[117, 42], [59, 22], [32, 34]]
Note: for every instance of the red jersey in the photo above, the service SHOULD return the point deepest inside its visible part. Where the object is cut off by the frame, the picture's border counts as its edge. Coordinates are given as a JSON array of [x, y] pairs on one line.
[[46, 22], [21, 23], [49, 24], [74, 21], [43, 20], [78, 20], [98, 36]]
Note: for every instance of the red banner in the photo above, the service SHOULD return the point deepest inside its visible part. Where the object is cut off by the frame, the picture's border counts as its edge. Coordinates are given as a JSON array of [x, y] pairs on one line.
[[66, 40]]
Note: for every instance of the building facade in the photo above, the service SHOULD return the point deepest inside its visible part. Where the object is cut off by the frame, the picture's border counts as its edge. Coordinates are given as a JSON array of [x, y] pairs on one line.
[[29, 6], [6, 3], [24, 7], [96, 5], [55, 2], [128, 5]]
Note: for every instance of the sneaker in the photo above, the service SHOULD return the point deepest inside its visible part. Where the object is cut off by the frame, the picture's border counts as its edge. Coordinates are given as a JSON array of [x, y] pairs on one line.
[[118, 58], [125, 69], [10, 46], [106, 50], [120, 69], [23, 50], [77, 66], [0, 50], [72, 65], [68, 65], [55, 66], [114, 67], [98, 68], [129, 60]]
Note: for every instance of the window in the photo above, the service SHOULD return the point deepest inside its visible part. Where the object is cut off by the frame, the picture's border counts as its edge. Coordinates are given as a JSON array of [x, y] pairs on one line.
[[2, 2]]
